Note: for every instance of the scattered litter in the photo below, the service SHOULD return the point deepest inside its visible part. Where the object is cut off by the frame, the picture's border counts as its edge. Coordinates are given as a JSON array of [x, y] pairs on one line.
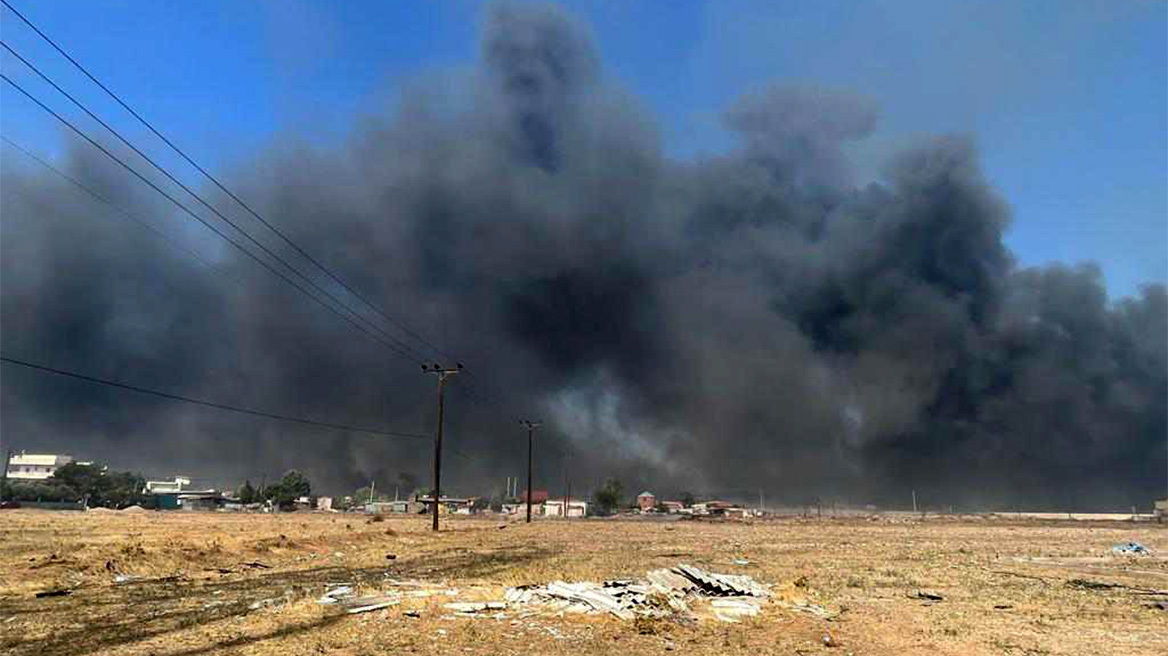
[[1084, 584], [256, 605], [258, 565], [124, 578], [741, 561], [828, 641], [54, 593], [1131, 549], [372, 603], [475, 606], [1002, 607], [344, 596], [391, 556], [1158, 605], [926, 596], [411, 613], [335, 595]]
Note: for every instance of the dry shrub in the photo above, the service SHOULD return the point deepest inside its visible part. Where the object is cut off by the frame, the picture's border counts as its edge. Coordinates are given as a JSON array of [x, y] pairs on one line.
[[648, 625]]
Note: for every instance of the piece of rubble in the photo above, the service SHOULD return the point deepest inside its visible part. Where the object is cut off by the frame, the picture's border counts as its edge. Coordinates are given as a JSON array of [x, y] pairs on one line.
[[925, 595], [335, 595], [366, 604], [256, 605], [475, 606], [732, 609], [722, 584]]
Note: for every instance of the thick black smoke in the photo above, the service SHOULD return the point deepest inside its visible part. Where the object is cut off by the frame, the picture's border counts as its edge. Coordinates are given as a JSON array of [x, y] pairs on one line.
[[749, 321]]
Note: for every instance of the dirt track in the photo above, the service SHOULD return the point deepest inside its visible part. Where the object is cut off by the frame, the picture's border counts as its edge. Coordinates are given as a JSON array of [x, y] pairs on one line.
[[246, 584]]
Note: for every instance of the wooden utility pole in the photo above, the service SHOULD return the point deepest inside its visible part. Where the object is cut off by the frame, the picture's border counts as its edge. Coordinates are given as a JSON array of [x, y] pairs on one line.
[[436, 493], [4, 485], [531, 426]]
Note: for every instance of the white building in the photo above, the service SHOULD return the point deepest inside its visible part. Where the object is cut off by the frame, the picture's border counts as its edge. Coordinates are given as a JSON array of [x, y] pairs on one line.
[[164, 487], [35, 466], [555, 508]]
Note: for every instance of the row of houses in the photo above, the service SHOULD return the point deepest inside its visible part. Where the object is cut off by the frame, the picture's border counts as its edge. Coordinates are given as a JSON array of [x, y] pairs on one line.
[[647, 503], [541, 506], [177, 493]]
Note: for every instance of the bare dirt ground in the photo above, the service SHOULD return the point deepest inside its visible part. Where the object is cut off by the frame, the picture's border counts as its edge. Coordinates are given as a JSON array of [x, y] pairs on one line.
[[186, 586]]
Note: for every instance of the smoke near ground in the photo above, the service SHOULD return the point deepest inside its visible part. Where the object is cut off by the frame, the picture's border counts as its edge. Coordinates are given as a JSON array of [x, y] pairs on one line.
[[744, 322]]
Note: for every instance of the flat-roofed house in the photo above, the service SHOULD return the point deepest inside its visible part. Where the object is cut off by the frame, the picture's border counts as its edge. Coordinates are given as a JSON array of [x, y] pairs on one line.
[[35, 466], [555, 508]]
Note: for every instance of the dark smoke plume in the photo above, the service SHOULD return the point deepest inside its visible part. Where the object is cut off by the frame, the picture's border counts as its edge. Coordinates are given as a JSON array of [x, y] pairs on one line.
[[743, 322]]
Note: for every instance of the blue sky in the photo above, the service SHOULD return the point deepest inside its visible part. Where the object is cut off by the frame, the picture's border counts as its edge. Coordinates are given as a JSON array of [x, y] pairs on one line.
[[1068, 100]]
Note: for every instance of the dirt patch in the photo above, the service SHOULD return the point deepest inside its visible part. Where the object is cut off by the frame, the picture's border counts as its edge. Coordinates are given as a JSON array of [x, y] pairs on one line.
[[175, 584]]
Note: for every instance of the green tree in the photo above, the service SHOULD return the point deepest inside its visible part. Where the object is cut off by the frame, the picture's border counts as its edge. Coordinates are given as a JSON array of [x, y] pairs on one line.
[[246, 493], [98, 486], [688, 499], [608, 497], [292, 486]]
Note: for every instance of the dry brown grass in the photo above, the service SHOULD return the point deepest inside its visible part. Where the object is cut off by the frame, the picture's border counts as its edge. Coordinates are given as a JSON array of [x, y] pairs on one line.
[[1004, 585]]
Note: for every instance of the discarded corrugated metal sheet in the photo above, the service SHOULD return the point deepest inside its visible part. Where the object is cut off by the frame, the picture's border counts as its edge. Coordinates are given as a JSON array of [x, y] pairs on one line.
[[664, 592]]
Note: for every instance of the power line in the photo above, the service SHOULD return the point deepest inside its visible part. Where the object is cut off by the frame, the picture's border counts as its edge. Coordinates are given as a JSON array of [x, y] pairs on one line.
[[211, 404], [203, 221], [335, 278], [136, 219], [401, 325], [416, 357], [150, 126]]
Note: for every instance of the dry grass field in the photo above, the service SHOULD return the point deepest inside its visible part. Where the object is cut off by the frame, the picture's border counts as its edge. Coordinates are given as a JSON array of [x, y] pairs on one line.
[[180, 584]]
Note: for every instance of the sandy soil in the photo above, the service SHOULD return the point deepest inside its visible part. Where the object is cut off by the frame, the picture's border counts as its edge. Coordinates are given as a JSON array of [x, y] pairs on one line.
[[195, 583]]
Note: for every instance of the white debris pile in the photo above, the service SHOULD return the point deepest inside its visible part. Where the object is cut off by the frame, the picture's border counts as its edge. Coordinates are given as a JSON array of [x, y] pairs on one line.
[[345, 597], [665, 592]]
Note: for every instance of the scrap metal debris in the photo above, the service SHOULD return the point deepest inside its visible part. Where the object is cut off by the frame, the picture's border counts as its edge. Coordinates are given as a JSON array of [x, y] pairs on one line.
[[664, 592], [347, 598], [1131, 549]]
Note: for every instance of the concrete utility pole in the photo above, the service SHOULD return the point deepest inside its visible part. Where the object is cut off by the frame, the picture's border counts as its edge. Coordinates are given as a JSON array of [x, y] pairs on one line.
[[443, 373], [531, 426]]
